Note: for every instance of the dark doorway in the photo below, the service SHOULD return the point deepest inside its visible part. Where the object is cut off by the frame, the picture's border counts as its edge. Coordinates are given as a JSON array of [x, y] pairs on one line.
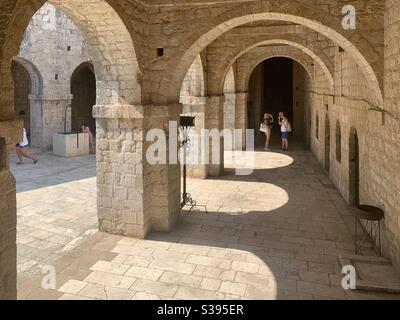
[[354, 168], [278, 87], [83, 89], [22, 90], [307, 126], [327, 143], [271, 91]]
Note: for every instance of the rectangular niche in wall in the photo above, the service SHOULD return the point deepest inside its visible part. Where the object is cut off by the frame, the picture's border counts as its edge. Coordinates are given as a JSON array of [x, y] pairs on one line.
[[2, 154]]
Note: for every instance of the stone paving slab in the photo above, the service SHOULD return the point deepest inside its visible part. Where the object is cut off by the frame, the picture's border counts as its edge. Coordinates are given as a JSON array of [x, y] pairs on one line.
[[275, 234]]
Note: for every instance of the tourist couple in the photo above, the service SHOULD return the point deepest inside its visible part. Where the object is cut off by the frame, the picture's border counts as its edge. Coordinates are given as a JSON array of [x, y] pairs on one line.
[[285, 126]]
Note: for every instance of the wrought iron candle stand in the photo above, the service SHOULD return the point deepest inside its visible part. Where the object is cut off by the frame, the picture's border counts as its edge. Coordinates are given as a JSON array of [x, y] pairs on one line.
[[186, 123]]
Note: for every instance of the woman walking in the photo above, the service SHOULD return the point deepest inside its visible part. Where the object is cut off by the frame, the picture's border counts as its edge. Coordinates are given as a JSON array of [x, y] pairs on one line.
[[22, 149]]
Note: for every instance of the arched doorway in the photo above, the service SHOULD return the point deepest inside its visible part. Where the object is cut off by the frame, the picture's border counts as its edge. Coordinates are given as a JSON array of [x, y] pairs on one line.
[[273, 87], [22, 90], [307, 125], [116, 86], [327, 143], [83, 89], [28, 87], [354, 168]]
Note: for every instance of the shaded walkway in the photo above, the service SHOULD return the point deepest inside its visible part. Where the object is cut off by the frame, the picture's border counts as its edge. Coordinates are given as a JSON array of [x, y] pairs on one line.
[[275, 234]]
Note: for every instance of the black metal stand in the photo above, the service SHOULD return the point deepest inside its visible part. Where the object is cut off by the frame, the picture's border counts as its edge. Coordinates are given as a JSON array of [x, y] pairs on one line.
[[372, 230], [187, 200]]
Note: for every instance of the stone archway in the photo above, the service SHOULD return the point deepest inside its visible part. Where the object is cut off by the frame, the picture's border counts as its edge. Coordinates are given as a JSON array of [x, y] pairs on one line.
[[26, 97], [245, 66], [113, 55], [83, 90], [327, 28], [22, 90], [299, 52], [275, 52]]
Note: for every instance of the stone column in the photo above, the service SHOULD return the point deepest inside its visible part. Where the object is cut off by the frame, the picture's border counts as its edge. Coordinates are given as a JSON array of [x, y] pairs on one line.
[[214, 121], [135, 195], [48, 114], [10, 134], [163, 181], [36, 120], [229, 120], [241, 119]]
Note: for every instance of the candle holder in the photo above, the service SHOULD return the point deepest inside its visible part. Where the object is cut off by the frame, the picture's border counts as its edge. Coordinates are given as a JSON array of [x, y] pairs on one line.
[[186, 124]]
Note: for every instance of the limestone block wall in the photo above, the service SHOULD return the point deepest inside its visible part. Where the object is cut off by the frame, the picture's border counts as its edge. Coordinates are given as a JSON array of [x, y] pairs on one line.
[[10, 134], [55, 114], [54, 45], [120, 183], [386, 186], [8, 221], [229, 108], [193, 84], [245, 41], [135, 195]]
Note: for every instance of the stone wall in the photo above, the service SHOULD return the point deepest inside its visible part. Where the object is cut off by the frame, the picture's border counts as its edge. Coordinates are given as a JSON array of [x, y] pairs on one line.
[[52, 31], [10, 134], [353, 107], [385, 149]]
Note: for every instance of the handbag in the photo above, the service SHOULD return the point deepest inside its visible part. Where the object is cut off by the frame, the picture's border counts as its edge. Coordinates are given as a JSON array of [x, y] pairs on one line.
[[289, 127], [263, 128]]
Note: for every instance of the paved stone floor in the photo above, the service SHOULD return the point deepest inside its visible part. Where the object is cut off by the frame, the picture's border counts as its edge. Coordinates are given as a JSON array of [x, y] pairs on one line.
[[56, 208], [275, 234]]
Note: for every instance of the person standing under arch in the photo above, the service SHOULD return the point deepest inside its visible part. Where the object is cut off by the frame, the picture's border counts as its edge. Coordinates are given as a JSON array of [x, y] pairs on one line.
[[268, 123], [285, 129]]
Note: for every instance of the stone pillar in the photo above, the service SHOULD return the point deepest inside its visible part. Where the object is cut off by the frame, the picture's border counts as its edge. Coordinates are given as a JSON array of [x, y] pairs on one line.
[[229, 120], [135, 195], [241, 119], [48, 114], [214, 115], [163, 181], [10, 134], [195, 106]]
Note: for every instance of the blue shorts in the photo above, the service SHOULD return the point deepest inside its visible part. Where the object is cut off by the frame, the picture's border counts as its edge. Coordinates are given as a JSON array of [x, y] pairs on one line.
[[285, 135]]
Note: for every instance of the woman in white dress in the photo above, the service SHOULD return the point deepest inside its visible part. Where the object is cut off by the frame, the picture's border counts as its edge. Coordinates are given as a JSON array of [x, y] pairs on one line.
[[22, 149]]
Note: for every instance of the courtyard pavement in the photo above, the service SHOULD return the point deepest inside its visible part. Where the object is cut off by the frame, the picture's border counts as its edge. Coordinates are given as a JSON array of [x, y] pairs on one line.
[[275, 234], [56, 208]]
